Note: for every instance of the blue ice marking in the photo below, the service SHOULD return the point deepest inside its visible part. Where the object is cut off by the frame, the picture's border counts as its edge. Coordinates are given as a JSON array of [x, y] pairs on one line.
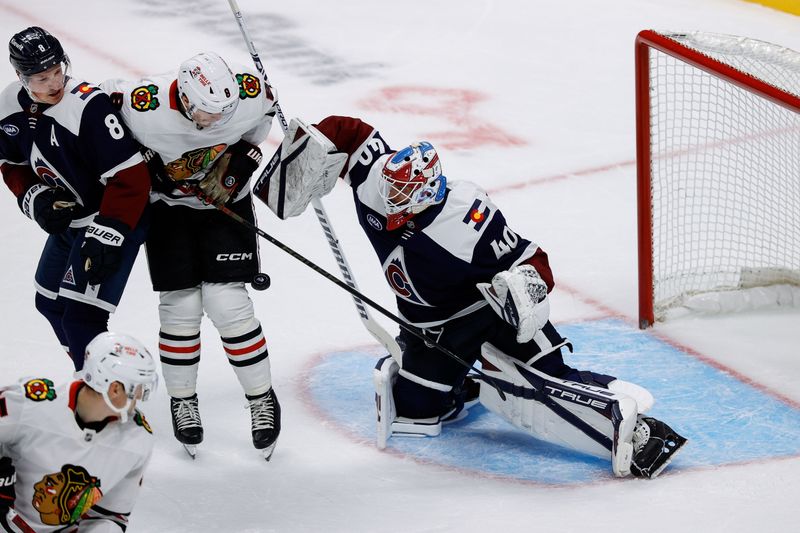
[[726, 421]]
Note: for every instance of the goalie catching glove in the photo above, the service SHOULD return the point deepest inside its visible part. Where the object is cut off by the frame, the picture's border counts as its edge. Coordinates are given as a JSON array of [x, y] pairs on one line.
[[231, 172], [304, 167], [519, 296]]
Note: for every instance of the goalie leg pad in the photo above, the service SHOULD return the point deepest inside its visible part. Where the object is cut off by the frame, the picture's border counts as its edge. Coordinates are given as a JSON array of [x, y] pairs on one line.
[[589, 419], [384, 377]]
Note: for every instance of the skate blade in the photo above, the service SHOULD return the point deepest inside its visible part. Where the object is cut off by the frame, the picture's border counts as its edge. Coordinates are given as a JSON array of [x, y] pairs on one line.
[[267, 452], [675, 452], [191, 449]]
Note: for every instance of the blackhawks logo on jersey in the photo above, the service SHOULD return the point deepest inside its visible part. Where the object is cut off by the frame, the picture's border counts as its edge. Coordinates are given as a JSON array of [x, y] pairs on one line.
[[193, 161], [140, 420], [40, 389], [63, 497], [143, 98], [249, 85]]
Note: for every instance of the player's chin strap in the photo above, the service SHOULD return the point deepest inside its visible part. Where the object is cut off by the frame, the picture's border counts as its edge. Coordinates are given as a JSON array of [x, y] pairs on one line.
[[358, 296], [375, 329]]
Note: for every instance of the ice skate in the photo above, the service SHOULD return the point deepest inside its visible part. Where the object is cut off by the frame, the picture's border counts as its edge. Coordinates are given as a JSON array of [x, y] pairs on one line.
[[655, 445], [265, 414], [186, 423]]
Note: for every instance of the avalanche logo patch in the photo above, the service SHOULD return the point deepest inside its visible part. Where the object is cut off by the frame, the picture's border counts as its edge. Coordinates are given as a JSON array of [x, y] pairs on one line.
[[39, 390], [69, 276], [249, 85], [400, 282], [84, 90], [143, 98]]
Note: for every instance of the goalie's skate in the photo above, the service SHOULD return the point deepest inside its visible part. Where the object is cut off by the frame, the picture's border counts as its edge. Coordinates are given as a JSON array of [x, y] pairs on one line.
[[265, 417], [655, 445], [186, 423]]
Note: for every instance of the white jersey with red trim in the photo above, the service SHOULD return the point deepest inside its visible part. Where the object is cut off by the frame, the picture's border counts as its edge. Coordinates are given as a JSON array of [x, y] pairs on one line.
[[68, 476], [151, 110]]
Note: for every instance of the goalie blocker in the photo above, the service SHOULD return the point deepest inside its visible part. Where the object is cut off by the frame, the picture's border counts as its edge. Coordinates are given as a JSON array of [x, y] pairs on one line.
[[305, 166]]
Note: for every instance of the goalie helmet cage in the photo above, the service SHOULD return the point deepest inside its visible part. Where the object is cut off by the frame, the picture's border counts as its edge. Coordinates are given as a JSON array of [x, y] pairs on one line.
[[718, 166]]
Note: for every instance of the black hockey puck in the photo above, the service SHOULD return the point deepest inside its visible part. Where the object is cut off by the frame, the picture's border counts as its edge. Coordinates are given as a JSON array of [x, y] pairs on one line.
[[260, 282]]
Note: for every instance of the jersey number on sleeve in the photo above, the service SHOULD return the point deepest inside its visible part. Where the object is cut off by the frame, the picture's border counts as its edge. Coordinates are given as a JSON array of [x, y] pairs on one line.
[[114, 127], [506, 243]]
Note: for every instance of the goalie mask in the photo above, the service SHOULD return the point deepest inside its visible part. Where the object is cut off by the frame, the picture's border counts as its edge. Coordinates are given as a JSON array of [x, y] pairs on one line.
[[412, 180], [114, 357], [208, 90]]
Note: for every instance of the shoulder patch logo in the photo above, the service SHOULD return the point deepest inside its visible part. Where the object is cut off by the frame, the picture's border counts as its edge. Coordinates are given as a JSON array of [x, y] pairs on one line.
[[249, 85], [143, 98], [140, 420], [83, 90], [477, 215], [10, 129], [39, 390]]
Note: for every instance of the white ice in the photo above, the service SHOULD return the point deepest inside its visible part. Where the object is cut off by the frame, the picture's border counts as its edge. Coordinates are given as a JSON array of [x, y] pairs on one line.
[[555, 76]]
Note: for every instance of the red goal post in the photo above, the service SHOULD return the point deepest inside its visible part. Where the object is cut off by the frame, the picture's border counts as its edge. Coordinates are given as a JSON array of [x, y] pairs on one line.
[[718, 167]]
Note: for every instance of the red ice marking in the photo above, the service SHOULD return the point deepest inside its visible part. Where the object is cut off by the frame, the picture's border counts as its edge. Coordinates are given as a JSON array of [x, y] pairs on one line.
[[454, 105]]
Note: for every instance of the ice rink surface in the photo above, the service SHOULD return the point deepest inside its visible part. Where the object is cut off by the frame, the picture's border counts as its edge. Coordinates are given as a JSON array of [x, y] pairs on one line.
[[534, 102]]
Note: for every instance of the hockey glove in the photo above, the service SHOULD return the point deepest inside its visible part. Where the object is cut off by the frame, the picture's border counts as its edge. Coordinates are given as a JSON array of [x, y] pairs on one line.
[[519, 296], [8, 478], [102, 248], [305, 166], [159, 180], [231, 172], [51, 207]]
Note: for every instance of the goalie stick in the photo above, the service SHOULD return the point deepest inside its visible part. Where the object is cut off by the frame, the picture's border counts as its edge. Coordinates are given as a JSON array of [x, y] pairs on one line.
[[375, 329], [360, 297]]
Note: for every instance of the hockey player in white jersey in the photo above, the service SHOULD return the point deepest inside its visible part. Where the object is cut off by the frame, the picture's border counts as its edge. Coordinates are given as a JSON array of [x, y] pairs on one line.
[[200, 131], [474, 286], [72, 457]]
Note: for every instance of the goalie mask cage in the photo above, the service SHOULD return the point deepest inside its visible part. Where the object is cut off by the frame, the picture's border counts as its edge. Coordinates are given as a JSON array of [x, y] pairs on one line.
[[718, 166]]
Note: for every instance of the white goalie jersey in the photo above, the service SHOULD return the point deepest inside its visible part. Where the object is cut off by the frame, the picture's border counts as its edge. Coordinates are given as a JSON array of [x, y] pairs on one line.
[[151, 110], [70, 477]]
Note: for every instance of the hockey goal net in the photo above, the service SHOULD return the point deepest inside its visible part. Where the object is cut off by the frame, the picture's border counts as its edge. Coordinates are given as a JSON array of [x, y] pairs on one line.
[[718, 163]]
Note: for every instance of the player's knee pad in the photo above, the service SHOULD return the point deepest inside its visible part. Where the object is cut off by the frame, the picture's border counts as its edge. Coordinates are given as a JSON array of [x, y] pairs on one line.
[[229, 307], [586, 418], [181, 312]]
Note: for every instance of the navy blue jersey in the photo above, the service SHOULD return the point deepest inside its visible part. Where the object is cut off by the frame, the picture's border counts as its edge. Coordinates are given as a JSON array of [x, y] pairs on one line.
[[433, 262], [76, 144]]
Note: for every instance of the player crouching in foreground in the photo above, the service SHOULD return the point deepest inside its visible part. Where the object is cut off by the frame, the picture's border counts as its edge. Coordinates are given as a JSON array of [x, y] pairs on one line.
[[79, 450], [476, 287], [201, 132]]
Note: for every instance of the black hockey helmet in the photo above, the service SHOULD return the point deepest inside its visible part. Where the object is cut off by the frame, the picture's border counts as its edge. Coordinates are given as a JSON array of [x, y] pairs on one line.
[[35, 50]]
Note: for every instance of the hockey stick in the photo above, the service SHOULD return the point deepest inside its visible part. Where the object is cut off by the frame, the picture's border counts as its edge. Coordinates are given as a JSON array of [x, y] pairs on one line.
[[375, 329], [360, 297]]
